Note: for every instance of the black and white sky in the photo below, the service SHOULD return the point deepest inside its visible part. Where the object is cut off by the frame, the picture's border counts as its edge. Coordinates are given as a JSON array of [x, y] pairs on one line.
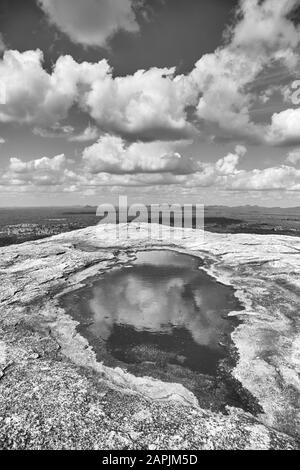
[[160, 100]]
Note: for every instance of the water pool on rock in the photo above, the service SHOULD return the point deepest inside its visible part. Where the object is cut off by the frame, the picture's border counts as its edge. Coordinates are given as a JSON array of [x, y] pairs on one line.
[[162, 316]]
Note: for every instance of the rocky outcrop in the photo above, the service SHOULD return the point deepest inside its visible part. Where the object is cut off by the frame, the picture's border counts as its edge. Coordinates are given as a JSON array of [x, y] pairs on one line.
[[54, 393]]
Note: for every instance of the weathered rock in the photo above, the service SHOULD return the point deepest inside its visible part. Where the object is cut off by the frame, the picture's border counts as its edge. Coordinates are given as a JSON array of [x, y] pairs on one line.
[[54, 394]]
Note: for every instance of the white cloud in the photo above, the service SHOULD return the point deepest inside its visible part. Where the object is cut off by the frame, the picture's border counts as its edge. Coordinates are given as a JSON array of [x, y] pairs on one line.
[[110, 163], [2, 141], [32, 95], [42, 164], [227, 165], [265, 25], [285, 127], [148, 101], [39, 172], [262, 36], [156, 104], [293, 157], [89, 133], [91, 22], [225, 174], [216, 174], [221, 78], [274, 178], [111, 155]]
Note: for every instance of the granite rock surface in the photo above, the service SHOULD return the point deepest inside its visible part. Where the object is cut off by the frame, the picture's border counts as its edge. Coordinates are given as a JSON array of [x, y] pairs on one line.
[[54, 394]]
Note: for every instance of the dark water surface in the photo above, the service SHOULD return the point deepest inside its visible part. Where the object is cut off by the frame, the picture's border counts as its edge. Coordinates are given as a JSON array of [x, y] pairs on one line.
[[160, 311]]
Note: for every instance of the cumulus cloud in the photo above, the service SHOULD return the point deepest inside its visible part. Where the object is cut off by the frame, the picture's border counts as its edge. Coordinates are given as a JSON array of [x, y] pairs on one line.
[[42, 164], [293, 157], [111, 163], [144, 104], [274, 178], [285, 127], [2, 141], [91, 22], [262, 36], [111, 155], [32, 95], [221, 78], [39, 172], [216, 174], [265, 25], [158, 104], [227, 165], [155, 104], [223, 174], [283, 177]]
